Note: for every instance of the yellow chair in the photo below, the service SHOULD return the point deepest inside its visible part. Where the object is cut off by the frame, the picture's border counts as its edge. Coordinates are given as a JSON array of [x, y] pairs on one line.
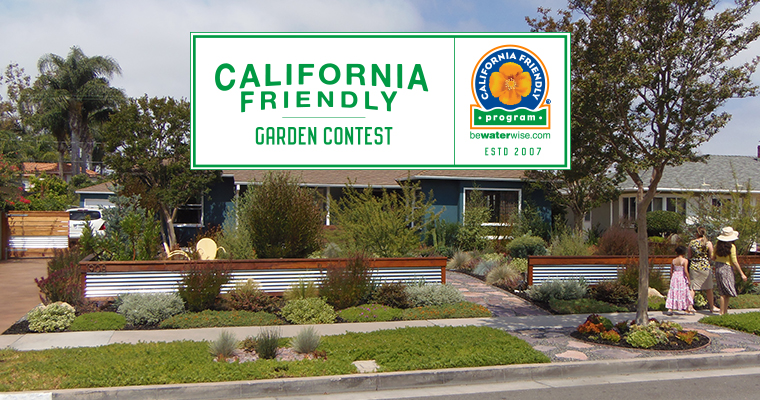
[[207, 249], [172, 253]]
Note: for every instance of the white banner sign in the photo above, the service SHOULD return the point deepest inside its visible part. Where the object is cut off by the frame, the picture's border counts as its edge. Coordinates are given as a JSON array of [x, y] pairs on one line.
[[380, 101]]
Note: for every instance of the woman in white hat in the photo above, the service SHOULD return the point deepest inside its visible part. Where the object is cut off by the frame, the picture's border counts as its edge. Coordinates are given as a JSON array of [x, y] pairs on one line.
[[725, 260]]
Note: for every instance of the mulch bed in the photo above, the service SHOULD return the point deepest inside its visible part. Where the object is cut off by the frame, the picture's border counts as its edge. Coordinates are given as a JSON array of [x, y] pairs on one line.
[[699, 342]]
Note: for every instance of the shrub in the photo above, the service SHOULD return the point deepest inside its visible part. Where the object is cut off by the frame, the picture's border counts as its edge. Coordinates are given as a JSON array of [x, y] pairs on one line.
[[613, 292], [519, 264], [686, 336], [641, 339], [661, 223], [370, 313], [283, 219], [247, 296], [656, 304], [612, 336], [235, 237], [618, 241], [267, 342], [629, 276], [224, 345], [313, 310], [583, 306], [149, 308], [98, 321], [485, 266], [248, 344], [392, 294], [525, 246], [570, 243], [388, 225], [455, 310], [566, 289], [458, 260], [744, 287], [201, 285], [306, 341], [210, 319], [63, 281], [744, 301], [51, 318], [301, 290], [472, 235], [433, 295], [349, 286], [505, 275]]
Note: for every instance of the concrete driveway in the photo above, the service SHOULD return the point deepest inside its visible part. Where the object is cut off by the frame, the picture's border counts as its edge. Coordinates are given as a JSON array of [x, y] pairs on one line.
[[18, 292]]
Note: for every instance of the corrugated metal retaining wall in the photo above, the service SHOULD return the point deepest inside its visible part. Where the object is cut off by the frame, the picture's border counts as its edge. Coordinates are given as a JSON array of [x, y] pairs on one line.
[[109, 279], [599, 268]]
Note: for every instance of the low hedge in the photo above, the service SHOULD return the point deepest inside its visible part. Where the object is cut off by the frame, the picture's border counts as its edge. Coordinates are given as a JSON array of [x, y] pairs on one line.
[[208, 319], [583, 306], [456, 310]]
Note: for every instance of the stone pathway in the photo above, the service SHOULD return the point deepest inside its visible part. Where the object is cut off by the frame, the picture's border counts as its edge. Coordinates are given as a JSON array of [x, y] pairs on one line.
[[500, 302]]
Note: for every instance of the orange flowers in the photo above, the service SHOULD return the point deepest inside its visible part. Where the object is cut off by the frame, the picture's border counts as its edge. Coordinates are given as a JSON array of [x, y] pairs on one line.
[[510, 84]]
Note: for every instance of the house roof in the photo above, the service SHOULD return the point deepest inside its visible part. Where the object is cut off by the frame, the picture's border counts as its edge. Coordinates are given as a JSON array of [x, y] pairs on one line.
[[718, 173], [100, 188], [374, 178], [33, 168]]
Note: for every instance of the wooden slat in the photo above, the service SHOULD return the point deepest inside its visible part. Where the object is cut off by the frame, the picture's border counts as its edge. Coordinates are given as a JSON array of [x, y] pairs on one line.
[[37, 233]]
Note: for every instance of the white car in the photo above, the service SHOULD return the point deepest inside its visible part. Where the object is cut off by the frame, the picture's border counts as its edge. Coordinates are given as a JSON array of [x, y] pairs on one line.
[[79, 216]]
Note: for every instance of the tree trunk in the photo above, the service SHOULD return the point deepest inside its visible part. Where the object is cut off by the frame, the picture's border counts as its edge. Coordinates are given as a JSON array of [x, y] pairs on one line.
[[642, 305], [169, 227], [75, 125]]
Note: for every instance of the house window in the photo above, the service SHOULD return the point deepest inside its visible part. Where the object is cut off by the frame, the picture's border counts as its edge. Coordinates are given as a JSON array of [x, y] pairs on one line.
[[189, 215], [676, 204], [501, 201]]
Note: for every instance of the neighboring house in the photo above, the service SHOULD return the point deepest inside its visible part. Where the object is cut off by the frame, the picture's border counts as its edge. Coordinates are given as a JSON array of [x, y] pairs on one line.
[[31, 169], [504, 189], [680, 186], [96, 196]]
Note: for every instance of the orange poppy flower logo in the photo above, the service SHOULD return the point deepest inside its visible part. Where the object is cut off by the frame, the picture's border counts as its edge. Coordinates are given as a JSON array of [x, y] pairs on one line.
[[510, 84]]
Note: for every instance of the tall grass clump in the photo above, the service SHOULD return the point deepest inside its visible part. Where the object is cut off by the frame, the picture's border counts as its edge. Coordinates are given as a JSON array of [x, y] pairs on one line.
[[301, 290], [267, 343], [248, 296], [571, 243], [224, 346], [505, 275], [306, 341], [349, 286], [458, 260]]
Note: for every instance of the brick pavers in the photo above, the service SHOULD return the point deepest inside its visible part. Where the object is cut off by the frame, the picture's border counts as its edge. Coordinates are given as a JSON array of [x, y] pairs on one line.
[[500, 302]]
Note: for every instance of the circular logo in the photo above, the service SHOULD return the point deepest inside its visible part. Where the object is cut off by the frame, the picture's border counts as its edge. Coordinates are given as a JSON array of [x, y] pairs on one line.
[[510, 77]]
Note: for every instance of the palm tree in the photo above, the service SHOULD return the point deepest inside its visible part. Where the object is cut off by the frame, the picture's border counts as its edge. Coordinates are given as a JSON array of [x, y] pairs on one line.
[[74, 92]]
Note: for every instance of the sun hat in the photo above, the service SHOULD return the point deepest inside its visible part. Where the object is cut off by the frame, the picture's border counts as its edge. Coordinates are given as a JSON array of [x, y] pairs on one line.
[[728, 234]]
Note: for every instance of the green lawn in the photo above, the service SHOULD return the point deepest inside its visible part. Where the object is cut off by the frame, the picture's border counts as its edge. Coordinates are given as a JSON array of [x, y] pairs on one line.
[[745, 322], [190, 362]]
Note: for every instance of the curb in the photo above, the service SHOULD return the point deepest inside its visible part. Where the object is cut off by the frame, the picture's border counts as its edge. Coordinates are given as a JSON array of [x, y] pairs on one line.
[[401, 380]]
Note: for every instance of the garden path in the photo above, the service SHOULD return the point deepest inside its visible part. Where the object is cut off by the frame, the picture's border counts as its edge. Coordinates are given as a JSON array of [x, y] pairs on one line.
[[18, 292], [500, 302]]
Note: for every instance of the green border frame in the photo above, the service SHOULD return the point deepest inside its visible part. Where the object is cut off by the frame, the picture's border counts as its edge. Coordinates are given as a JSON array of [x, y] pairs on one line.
[[448, 35]]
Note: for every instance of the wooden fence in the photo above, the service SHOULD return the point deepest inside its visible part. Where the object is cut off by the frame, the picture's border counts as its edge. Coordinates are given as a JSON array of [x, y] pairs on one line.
[[37, 233], [598, 268], [103, 280]]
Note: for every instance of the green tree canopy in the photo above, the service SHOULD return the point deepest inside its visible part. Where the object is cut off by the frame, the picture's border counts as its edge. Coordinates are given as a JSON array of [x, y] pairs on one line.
[[148, 148]]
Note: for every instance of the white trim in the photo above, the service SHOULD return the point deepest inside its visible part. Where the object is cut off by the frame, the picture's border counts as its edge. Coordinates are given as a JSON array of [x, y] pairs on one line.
[[461, 178]]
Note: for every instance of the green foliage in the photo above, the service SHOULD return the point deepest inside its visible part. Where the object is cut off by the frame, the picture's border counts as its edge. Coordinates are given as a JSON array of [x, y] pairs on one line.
[[531, 221], [370, 313], [247, 296], [700, 301], [458, 260], [389, 225], [224, 345], [190, 362], [485, 266], [505, 275], [618, 241], [248, 344], [453, 310], [473, 233], [662, 223], [47, 193], [10, 179], [629, 276], [51, 318], [433, 295], [349, 286], [211, 319], [613, 292], [98, 321], [148, 149], [524, 246], [583, 306], [519, 264], [392, 294], [63, 282], [149, 308], [742, 286], [566, 289], [314, 310], [283, 218], [744, 301], [745, 322], [132, 232], [301, 290], [306, 341], [569, 243], [443, 237], [641, 339], [201, 284], [657, 304], [235, 237]]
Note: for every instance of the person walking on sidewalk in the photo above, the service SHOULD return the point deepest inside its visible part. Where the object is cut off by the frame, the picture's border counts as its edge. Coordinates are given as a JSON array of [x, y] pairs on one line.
[[700, 257], [679, 295], [725, 263]]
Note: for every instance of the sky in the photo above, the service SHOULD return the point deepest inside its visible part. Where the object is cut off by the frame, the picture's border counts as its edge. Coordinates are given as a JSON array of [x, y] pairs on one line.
[[150, 39]]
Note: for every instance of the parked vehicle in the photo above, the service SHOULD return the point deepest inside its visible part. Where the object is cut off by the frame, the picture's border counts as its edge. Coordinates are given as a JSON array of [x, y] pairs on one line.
[[80, 216]]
